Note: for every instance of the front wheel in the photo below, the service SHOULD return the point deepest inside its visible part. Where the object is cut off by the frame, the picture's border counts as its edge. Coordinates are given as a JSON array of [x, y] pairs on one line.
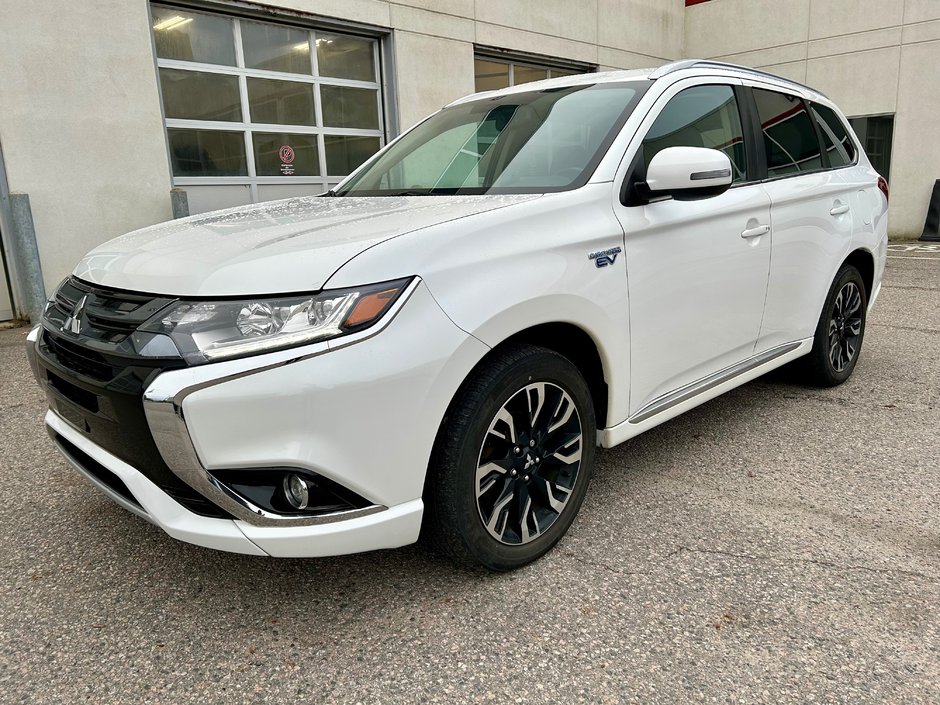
[[512, 460], [839, 332]]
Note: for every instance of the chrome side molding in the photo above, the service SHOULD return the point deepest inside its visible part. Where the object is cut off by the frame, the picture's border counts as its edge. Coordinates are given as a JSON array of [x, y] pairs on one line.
[[693, 389]]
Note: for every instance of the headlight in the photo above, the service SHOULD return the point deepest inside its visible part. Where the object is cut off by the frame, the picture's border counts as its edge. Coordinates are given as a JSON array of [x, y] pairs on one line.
[[205, 331]]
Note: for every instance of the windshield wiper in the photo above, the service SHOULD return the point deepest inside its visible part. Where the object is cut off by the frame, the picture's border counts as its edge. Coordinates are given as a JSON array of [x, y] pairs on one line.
[[412, 192]]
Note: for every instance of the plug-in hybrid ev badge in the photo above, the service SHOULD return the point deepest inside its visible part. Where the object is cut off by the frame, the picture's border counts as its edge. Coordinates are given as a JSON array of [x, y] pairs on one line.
[[605, 257]]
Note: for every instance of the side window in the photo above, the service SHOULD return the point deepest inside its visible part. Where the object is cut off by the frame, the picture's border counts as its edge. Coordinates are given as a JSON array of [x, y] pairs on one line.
[[836, 139], [703, 116], [789, 134]]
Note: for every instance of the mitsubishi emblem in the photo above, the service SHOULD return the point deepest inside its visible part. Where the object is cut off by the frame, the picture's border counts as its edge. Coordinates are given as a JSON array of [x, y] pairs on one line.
[[73, 324]]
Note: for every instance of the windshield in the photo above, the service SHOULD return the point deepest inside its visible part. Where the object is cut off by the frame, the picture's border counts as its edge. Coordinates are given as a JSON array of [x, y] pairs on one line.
[[532, 142]]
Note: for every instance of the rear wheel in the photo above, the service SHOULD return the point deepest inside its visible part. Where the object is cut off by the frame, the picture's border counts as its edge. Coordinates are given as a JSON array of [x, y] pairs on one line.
[[839, 332], [512, 461]]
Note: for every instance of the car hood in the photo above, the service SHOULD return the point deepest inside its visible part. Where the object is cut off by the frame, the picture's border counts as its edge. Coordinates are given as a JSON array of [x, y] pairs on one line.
[[277, 247]]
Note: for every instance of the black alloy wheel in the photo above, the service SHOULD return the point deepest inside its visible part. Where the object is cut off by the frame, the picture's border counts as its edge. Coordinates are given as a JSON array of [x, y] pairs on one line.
[[840, 332], [845, 326]]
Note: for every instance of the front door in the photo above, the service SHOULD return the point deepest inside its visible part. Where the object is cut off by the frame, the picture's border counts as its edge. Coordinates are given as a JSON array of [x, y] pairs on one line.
[[697, 271]]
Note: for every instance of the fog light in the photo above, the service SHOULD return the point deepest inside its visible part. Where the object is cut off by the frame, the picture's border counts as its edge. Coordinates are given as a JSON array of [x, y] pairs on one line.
[[296, 491]]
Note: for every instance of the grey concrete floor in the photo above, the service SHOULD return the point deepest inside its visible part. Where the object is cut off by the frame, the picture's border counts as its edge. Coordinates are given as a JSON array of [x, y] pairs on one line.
[[777, 545]]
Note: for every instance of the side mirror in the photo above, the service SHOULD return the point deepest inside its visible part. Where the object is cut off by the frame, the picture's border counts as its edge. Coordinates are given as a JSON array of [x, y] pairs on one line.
[[689, 173]]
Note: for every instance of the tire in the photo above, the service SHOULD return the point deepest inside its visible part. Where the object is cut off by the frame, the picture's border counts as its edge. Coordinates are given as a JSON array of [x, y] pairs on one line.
[[544, 461], [840, 332]]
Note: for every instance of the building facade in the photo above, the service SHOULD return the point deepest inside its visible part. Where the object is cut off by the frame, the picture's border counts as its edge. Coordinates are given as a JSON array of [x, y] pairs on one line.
[[106, 107]]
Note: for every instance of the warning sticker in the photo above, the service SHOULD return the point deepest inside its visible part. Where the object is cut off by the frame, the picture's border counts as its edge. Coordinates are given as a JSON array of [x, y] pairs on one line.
[[286, 154]]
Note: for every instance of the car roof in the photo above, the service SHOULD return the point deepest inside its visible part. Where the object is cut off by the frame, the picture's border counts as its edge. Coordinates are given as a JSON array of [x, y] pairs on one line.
[[684, 68]]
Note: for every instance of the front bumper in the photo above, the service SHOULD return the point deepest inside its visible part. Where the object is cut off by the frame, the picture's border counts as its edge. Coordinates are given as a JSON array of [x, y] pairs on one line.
[[393, 527], [361, 412]]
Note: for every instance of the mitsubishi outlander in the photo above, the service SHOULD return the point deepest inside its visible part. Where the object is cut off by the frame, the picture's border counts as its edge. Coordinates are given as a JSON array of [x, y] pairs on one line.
[[439, 344]]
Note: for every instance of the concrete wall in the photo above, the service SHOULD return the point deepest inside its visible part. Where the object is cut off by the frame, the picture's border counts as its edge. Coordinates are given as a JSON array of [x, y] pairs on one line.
[[434, 39], [869, 56], [80, 123]]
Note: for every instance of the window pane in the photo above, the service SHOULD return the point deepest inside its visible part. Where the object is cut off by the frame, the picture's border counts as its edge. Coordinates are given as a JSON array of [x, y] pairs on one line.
[[558, 73], [838, 145], [876, 135], [530, 140], [344, 154], [789, 136], [704, 116], [196, 95], [345, 57], [192, 36], [491, 75], [527, 74], [274, 47], [350, 107], [283, 154], [207, 152], [281, 102]]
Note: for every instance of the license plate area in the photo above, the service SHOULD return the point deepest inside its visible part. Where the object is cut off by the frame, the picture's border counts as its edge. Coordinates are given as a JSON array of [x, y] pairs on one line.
[[72, 415], [81, 397]]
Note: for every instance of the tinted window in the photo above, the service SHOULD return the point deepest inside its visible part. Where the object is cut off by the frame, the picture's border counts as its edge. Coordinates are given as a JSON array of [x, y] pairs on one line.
[[839, 147], [704, 116], [789, 134]]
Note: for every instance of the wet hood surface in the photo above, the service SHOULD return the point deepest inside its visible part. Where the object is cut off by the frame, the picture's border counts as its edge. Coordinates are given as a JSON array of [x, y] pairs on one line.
[[286, 246]]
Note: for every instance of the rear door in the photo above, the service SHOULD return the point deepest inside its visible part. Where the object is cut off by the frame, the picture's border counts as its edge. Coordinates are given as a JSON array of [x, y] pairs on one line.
[[697, 269], [811, 213]]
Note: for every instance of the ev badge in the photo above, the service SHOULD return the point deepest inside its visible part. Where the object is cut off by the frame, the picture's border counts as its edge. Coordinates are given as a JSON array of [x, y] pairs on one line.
[[605, 257], [73, 324]]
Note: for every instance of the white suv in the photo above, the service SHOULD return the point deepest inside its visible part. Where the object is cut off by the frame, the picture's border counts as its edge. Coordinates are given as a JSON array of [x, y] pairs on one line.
[[443, 340]]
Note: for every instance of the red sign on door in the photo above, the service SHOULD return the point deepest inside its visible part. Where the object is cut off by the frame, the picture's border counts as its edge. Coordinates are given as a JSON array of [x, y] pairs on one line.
[[286, 153]]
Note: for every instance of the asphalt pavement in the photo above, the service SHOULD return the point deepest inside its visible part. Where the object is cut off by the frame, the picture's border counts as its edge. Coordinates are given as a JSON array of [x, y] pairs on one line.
[[780, 544]]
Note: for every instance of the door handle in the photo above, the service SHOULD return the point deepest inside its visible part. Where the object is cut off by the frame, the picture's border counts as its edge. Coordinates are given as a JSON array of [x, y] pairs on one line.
[[756, 232], [839, 210]]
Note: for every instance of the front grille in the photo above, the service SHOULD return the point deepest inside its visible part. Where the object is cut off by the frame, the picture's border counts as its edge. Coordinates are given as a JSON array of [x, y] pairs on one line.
[[95, 379], [106, 315], [80, 359]]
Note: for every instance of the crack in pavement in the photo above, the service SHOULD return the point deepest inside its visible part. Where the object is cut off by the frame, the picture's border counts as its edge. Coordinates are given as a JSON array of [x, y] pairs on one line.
[[813, 561]]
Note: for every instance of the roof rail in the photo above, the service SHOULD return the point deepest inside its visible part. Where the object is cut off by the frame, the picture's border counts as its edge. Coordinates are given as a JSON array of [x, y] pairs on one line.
[[704, 63]]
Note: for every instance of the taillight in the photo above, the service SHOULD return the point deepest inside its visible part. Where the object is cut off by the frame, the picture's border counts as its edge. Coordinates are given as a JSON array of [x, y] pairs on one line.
[[883, 187]]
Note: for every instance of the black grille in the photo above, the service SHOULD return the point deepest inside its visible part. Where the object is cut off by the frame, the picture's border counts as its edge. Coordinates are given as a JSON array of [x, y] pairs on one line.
[[105, 315], [80, 359], [96, 380]]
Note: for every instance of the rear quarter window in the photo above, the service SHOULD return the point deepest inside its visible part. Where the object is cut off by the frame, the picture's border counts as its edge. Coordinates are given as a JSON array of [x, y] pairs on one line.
[[836, 138]]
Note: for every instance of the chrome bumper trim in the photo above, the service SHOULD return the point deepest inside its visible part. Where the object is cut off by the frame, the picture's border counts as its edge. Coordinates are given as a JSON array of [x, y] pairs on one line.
[[163, 407]]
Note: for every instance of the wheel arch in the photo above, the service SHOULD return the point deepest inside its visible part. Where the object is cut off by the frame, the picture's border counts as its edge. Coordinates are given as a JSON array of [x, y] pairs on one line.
[[575, 344], [864, 261]]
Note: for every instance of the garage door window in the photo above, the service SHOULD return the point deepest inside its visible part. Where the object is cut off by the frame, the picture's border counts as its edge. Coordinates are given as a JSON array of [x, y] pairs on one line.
[[493, 73], [876, 135], [258, 110]]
